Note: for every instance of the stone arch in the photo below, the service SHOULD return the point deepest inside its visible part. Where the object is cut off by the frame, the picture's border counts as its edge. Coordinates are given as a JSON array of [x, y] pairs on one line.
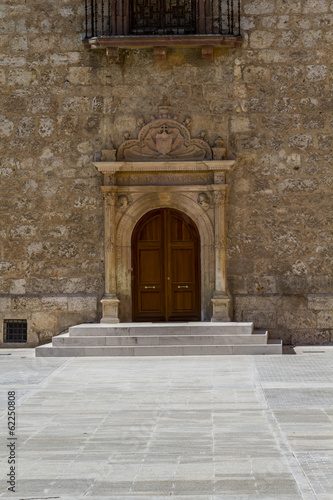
[[124, 232]]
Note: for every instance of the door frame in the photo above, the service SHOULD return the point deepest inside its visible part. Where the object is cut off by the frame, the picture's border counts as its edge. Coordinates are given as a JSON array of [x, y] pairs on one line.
[[198, 189]]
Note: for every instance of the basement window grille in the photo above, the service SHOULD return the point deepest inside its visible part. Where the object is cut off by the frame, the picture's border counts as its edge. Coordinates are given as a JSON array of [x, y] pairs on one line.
[[15, 331]]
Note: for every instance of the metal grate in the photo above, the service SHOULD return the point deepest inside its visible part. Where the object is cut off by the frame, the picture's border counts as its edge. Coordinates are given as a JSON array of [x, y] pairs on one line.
[[15, 331], [114, 18]]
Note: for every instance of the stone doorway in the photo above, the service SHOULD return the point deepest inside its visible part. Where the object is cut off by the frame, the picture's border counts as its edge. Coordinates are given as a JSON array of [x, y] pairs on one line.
[[165, 168], [166, 267]]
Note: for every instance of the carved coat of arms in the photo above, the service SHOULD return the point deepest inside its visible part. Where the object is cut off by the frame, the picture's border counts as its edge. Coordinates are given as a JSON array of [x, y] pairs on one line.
[[165, 139], [163, 142]]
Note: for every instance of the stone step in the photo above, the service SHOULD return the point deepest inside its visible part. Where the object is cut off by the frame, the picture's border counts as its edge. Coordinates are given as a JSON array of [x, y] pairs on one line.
[[162, 340], [272, 347], [139, 329]]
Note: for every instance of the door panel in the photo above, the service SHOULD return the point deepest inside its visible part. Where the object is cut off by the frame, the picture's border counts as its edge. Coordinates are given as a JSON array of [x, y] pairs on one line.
[[151, 230], [150, 265], [182, 265], [148, 270], [183, 301], [178, 230], [166, 272], [150, 302]]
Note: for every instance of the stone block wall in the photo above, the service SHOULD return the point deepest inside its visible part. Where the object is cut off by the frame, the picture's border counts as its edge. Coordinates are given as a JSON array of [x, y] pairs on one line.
[[271, 100], [48, 315], [280, 203]]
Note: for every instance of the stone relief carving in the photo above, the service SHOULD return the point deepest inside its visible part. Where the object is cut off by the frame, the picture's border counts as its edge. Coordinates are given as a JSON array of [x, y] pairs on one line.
[[110, 244], [164, 138], [219, 150], [110, 198], [219, 198], [123, 201], [173, 179], [204, 200], [109, 179]]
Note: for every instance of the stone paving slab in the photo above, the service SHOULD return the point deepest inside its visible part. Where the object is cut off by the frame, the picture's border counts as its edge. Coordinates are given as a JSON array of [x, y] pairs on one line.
[[207, 428]]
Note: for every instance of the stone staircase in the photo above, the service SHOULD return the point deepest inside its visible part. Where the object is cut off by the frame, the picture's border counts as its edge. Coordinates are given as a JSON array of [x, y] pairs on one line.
[[161, 339]]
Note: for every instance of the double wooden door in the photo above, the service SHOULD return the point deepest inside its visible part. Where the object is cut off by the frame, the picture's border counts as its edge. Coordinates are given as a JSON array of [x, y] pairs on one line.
[[166, 267]]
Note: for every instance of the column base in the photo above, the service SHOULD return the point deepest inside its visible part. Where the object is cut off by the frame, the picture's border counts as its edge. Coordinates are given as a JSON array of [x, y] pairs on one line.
[[222, 308], [110, 310]]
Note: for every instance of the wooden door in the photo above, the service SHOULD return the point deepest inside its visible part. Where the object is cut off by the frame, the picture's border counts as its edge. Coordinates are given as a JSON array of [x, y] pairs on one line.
[[166, 270]]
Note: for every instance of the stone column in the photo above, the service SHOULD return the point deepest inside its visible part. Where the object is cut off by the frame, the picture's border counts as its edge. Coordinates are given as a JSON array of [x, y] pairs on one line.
[[110, 301], [221, 300]]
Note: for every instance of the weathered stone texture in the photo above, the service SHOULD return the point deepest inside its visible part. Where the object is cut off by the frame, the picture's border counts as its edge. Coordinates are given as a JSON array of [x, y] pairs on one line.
[[48, 315], [271, 100]]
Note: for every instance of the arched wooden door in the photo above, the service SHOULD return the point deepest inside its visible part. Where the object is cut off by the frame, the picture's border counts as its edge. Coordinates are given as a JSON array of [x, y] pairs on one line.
[[166, 267]]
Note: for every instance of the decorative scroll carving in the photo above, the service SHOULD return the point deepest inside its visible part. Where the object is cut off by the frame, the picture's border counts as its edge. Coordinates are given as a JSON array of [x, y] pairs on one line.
[[165, 138]]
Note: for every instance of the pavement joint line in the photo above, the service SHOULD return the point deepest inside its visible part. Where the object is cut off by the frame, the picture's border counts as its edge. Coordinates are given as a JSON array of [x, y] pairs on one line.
[[29, 394], [294, 466], [37, 387]]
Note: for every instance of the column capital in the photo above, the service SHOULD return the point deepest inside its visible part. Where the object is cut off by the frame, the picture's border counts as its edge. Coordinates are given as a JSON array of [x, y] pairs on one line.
[[109, 195], [219, 197]]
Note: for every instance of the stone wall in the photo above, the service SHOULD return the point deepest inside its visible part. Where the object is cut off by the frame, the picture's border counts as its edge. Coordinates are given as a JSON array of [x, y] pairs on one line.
[[271, 100], [280, 204]]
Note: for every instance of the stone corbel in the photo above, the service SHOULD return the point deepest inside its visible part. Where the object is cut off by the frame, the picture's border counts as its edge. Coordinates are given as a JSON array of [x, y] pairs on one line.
[[112, 54], [160, 53], [207, 53]]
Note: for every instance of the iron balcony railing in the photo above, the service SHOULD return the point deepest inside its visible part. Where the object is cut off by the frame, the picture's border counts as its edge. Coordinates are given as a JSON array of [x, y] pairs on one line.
[[118, 18]]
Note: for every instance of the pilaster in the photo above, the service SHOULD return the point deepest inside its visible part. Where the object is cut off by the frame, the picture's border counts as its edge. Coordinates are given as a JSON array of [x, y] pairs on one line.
[[222, 307], [110, 301]]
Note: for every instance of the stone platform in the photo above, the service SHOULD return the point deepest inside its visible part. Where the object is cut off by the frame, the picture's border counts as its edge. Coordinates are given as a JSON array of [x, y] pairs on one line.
[[161, 339]]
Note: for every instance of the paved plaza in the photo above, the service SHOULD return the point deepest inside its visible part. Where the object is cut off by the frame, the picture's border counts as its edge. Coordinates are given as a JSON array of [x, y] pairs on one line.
[[208, 428]]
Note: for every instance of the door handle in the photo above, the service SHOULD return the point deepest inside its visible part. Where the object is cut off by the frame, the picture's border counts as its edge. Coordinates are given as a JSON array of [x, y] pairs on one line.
[[149, 287], [182, 286]]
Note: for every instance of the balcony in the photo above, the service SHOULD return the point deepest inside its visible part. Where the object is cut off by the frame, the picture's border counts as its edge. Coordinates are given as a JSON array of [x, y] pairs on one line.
[[115, 24]]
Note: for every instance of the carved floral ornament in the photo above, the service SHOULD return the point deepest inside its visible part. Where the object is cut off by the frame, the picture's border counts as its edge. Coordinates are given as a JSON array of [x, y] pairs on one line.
[[109, 197], [219, 198], [166, 138]]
